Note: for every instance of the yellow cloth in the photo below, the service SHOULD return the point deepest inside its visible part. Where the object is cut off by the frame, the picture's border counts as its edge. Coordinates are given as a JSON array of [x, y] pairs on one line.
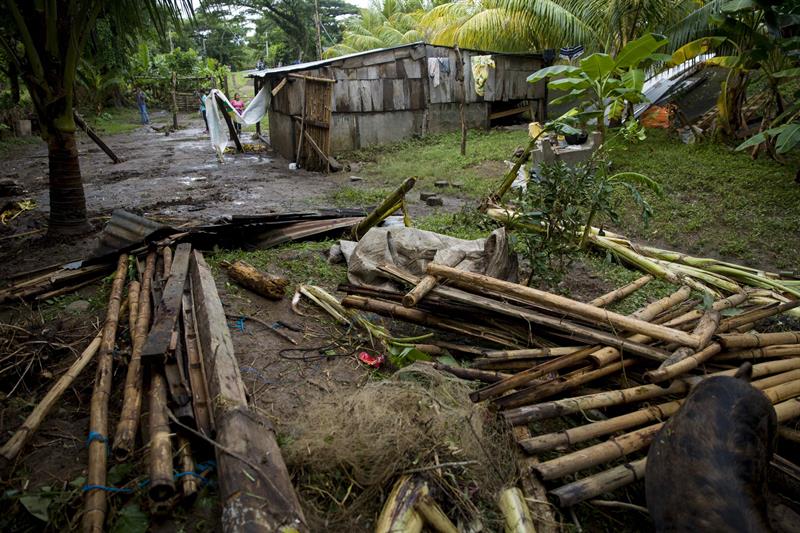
[[480, 72]]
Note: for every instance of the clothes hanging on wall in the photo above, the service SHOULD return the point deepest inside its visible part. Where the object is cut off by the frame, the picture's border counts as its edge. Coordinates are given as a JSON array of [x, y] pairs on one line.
[[480, 72], [438, 66]]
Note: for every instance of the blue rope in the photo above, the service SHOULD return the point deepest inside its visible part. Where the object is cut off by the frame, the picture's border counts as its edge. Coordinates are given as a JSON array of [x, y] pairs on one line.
[[107, 489], [99, 437], [238, 325]]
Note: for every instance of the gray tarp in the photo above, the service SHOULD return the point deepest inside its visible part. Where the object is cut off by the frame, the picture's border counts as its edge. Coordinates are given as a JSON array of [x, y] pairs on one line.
[[412, 249]]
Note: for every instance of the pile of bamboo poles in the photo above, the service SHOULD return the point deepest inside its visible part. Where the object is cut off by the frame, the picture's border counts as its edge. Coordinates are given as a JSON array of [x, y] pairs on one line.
[[549, 347], [183, 369]]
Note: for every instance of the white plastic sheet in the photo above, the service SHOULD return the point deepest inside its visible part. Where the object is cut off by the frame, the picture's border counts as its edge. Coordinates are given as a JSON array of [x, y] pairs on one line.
[[218, 129]]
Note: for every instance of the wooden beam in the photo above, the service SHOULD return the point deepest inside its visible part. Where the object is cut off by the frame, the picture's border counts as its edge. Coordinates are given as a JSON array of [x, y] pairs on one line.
[[508, 113], [254, 484], [312, 122], [312, 78], [93, 136], [280, 86], [166, 314], [231, 128]]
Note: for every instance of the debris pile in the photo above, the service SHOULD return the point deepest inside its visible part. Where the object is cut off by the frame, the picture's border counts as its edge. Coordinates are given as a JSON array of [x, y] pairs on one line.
[[639, 366], [183, 368]]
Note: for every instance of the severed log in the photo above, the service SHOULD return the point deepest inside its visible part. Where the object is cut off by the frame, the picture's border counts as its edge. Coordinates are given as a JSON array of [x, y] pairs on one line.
[[166, 313], [255, 488], [399, 513], [248, 276], [423, 318], [96, 138], [686, 364], [776, 350], [738, 341], [433, 516], [197, 379], [539, 392], [189, 481], [391, 204], [560, 326], [95, 513], [622, 292], [566, 305], [486, 376], [162, 485], [597, 484], [515, 511], [428, 282], [704, 330], [575, 435], [125, 435], [534, 491], [17, 441]]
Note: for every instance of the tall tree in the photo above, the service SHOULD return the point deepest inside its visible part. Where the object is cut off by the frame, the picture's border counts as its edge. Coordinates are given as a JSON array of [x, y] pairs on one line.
[[387, 23], [45, 40]]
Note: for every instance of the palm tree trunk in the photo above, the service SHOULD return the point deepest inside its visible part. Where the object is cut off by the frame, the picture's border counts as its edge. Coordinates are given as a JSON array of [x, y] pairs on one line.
[[67, 200]]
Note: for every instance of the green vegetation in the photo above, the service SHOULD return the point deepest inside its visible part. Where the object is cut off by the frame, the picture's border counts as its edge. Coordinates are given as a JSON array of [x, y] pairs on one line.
[[115, 120], [436, 157], [300, 262]]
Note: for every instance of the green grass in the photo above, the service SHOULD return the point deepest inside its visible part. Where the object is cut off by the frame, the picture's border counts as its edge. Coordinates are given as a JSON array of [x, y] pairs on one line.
[[437, 157], [300, 262], [349, 196], [716, 203], [114, 120]]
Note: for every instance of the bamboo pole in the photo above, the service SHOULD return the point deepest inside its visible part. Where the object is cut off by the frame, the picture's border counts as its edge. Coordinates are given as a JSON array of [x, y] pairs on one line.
[[125, 436], [166, 255], [734, 341], [578, 378], [566, 305], [560, 326], [598, 454], [776, 350], [189, 482], [705, 329], [162, 484], [597, 484], [605, 355], [792, 435], [776, 379], [578, 434], [756, 315], [515, 511], [197, 378], [690, 362], [95, 513], [533, 489], [529, 375], [788, 410], [433, 516], [387, 207], [622, 292], [134, 288], [719, 305], [399, 513], [15, 444], [485, 376], [568, 406], [528, 353], [428, 282], [783, 392]]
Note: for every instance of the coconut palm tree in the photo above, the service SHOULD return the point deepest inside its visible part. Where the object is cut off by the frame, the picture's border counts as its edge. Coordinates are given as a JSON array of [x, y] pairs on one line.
[[527, 25], [390, 23], [45, 40]]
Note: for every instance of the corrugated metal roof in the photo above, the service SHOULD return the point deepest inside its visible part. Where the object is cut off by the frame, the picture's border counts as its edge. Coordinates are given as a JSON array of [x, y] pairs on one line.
[[324, 62]]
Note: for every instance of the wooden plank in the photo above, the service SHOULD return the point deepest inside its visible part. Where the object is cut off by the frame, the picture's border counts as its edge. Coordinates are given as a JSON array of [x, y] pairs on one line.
[[314, 123], [312, 78], [280, 86], [508, 113], [413, 69], [166, 314], [197, 377], [254, 485]]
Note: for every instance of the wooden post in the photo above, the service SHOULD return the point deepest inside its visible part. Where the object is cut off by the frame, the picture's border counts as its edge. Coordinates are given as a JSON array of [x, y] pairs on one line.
[[256, 87], [231, 129], [254, 484], [460, 77], [173, 91], [93, 136], [302, 124]]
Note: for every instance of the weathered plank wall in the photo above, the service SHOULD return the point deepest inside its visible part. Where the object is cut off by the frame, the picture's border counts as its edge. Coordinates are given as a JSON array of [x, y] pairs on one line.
[[389, 95]]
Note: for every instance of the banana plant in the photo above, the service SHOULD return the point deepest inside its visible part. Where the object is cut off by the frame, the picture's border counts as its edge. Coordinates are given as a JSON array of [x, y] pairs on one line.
[[602, 82]]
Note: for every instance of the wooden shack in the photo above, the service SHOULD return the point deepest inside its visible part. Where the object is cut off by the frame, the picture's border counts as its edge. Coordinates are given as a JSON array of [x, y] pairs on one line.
[[385, 95]]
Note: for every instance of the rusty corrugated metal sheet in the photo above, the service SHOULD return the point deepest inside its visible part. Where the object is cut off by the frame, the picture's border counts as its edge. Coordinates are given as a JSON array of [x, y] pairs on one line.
[[125, 229]]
